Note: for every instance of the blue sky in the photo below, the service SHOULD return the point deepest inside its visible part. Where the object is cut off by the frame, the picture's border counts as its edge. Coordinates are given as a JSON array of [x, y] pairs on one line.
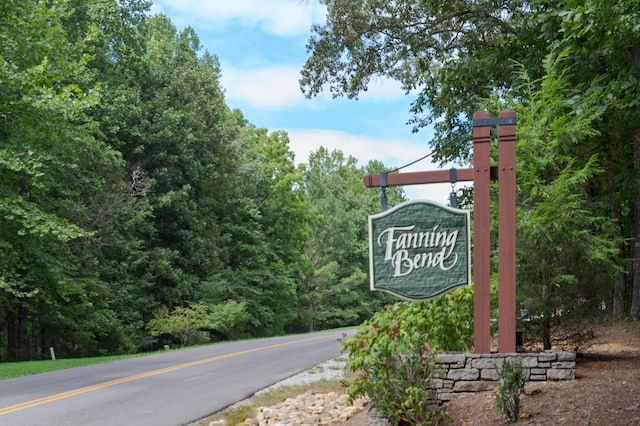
[[261, 48]]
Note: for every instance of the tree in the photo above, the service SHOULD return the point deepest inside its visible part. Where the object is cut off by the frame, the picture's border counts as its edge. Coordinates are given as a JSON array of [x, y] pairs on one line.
[[567, 244], [50, 163], [263, 216], [185, 135], [441, 50], [230, 318], [603, 41], [335, 290], [120, 214]]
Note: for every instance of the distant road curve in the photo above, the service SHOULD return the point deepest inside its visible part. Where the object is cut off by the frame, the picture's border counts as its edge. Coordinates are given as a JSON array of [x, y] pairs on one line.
[[172, 388]]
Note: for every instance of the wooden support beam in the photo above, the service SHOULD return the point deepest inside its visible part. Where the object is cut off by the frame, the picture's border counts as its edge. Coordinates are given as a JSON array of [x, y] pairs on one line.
[[481, 236], [507, 235]]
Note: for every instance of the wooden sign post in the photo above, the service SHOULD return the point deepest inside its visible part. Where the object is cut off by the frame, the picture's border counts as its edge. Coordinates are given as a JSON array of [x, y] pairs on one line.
[[481, 174]]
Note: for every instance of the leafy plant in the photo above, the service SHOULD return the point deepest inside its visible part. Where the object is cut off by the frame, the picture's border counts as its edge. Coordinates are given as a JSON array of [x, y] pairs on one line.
[[510, 386], [182, 322], [394, 354], [396, 373], [230, 318]]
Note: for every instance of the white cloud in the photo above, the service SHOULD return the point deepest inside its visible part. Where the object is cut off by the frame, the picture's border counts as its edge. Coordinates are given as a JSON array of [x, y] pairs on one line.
[[392, 152], [279, 17], [277, 86], [269, 87]]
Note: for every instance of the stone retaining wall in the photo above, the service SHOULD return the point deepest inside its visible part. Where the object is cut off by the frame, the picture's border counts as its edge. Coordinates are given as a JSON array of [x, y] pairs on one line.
[[466, 373]]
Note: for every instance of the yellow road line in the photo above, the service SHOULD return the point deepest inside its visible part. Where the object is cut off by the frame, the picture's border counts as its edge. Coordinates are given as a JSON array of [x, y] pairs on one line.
[[80, 391]]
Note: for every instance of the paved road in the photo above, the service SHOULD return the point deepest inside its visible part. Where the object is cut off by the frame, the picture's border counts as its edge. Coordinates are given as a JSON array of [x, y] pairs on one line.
[[171, 388]]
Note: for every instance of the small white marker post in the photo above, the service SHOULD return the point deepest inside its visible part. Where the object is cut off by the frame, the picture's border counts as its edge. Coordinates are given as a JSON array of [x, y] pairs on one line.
[[53, 354]]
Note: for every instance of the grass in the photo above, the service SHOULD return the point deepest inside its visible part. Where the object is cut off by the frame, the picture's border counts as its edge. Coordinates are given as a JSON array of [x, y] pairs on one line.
[[10, 370]]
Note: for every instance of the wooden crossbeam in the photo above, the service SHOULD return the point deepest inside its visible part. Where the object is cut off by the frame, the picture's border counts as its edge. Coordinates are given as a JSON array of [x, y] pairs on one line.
[[421, 178]]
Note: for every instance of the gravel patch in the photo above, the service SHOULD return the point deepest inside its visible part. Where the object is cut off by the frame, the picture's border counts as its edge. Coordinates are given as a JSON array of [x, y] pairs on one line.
[[328, 370]]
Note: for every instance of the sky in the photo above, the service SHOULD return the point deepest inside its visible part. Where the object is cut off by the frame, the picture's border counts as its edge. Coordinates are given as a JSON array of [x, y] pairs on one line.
[[261, 47]]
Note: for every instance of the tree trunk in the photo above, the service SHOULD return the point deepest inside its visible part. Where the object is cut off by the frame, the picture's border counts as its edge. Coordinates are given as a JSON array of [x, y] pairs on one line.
[[546, 333], [619, 281], [635, 249], [635, 267], [17, 335]]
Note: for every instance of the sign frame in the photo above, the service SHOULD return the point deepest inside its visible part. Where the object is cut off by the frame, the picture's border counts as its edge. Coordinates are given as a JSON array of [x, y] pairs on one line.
[[465, 270]]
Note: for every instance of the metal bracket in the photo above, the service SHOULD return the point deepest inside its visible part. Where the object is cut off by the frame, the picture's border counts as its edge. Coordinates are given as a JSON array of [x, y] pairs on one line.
[[383, 179], [453, 175], [484, 122]]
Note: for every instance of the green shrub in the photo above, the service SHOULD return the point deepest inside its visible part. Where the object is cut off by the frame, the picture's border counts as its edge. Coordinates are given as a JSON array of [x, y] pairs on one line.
[[182, 322], [510, 386], [230, 318], [394, 354]]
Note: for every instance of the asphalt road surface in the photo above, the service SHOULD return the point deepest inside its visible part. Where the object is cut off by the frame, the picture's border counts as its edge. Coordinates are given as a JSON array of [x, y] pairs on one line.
[[172, 388]]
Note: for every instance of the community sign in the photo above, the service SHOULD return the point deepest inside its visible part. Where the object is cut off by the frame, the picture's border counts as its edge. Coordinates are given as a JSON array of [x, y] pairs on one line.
[[419, 250]]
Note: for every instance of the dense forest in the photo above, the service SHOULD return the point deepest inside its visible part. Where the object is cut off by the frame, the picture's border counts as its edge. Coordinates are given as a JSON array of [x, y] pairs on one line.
[[132, 195]]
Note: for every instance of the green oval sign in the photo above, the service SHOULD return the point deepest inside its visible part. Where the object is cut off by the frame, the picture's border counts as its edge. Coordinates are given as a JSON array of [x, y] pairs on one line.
[[419, 250]]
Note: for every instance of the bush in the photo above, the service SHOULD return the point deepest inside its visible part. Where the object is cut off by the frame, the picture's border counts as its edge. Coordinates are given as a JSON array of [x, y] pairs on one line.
[[394, 354], [183, 323], [510, 386], [230, 318]]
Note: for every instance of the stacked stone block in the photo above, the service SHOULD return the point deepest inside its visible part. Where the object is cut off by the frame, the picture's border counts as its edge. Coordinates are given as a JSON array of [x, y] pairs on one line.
[[462, 374]]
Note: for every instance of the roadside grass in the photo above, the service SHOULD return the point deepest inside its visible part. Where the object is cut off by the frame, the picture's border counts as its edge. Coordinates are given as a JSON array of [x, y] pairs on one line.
[[9, 370]]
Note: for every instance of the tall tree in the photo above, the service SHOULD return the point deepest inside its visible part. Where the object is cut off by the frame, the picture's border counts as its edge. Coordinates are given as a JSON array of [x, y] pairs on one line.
[[50, 164], [567, 241], [263, 216], [603, 40], [178, 144], [336, 291]]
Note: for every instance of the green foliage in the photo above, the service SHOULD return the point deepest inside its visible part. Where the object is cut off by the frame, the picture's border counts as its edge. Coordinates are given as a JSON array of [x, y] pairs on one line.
[[263, 220], [395, 372], [127, 185], [567, 242], [182, 322], [333, 290], [51, 168], [230, 318], [432, 49], [512, 377], [394, 354]]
